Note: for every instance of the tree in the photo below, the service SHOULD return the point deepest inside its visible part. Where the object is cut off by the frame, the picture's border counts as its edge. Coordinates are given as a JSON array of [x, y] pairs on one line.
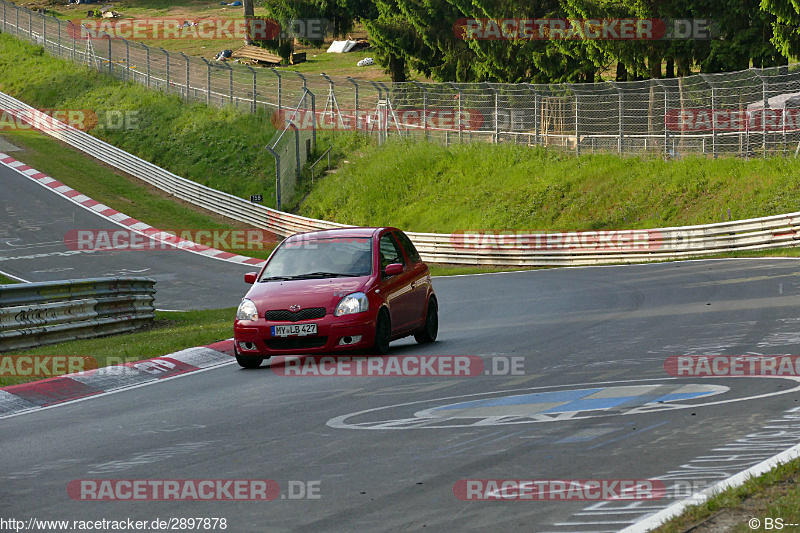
[[785, 26], [249, 14]]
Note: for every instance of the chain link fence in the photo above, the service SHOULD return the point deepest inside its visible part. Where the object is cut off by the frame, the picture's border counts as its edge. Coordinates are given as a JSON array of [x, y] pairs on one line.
[[749, 113]]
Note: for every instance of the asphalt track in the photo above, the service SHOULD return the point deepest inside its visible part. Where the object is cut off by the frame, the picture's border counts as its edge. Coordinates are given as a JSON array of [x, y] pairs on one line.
[[385, 456], [35, 221]]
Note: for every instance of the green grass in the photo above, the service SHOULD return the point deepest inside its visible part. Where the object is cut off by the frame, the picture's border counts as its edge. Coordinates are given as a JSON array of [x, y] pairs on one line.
[[171, 332], [775, 494], [421, 186], [221, 148], [4, 280]]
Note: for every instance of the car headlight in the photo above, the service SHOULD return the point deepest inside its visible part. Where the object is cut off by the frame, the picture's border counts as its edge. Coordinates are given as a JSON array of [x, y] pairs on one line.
[[247, 310], [352, 303]]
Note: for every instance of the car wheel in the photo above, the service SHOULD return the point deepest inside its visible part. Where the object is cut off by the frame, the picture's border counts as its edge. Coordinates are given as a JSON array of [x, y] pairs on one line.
[[247, 362], [383, 333], [431, 328]]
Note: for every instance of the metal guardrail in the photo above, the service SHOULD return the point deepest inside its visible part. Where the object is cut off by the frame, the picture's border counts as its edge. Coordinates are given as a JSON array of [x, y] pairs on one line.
[[476, 248], [34, 314]]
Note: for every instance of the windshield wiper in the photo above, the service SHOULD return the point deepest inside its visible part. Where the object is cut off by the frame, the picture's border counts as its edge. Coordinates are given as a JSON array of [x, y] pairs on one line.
[[324, 275], [277, 278]]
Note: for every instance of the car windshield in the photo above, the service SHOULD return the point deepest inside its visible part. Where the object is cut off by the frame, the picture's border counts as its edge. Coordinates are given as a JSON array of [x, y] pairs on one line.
[[320, 258]]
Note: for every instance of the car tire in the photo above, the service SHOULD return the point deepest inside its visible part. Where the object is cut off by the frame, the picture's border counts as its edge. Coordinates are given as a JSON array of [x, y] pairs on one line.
[[383, 333], [247, 362], [431, 328]]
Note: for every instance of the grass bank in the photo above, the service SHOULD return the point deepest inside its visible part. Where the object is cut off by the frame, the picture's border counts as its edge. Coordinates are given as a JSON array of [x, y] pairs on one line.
[[221, 148], [425, 187]]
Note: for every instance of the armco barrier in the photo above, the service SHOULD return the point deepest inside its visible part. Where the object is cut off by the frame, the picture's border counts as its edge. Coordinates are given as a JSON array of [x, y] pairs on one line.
[[33, 314], [584, 248]]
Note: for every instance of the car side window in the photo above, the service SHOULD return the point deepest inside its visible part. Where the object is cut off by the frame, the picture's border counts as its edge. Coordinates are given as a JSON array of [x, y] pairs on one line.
[[390, 252], [406, 243]]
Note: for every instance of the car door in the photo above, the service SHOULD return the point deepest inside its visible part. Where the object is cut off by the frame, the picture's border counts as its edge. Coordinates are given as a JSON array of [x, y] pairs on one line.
[[396, 289], [419, 278]]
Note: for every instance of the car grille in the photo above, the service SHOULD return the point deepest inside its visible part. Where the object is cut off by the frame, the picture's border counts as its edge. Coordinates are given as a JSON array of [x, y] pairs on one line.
[[283, 315], [299, 343]]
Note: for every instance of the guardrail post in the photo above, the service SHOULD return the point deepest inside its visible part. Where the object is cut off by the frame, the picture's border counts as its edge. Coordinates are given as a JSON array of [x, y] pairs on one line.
[[187, 74], [357, 111], [278, 74], [255, 88]]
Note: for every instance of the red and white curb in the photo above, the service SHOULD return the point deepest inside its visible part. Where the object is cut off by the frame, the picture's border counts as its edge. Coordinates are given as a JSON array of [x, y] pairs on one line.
[[122, 219], [36, 395]]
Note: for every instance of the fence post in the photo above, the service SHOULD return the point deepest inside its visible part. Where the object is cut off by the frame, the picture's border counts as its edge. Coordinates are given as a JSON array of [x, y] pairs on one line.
[[187, 74], [713, 111], [110, 64], [536, 118], [313, 121], [208, 80], [44, 31], [666, 105], [4, 17], [277, 176], [621, 138], [279, 88], [577, 127], [147, 55], [58, 24], [357, 111], [496, 111], [230, 81], [764, 109], [74, 41], [255, 87], [332, 101], [166, 55], [30, 25], [424, 117], [296, 152], [127, 71]]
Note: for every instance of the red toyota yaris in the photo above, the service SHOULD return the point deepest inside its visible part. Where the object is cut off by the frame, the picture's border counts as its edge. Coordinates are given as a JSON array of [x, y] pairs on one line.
[[336, 290]]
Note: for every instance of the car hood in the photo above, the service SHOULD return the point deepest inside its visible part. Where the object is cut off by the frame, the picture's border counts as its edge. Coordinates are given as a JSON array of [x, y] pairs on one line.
[[327, 293]]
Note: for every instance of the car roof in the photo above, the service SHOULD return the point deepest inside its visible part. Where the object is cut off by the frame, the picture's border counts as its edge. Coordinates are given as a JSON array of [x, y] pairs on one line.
[[339, 233]]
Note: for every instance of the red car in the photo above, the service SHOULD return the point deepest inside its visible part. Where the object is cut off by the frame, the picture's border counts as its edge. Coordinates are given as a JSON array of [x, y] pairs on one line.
[[336, 291]]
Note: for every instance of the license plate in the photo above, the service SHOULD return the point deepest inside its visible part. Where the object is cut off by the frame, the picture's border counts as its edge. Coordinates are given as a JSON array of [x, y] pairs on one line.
[[300, 330]]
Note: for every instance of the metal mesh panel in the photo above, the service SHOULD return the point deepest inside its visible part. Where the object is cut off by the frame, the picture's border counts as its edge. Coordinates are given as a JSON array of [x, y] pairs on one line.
[[748, 113]]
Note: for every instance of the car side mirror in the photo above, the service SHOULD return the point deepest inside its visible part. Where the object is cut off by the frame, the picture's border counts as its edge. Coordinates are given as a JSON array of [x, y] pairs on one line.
[[393, 269], [250, 277]]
